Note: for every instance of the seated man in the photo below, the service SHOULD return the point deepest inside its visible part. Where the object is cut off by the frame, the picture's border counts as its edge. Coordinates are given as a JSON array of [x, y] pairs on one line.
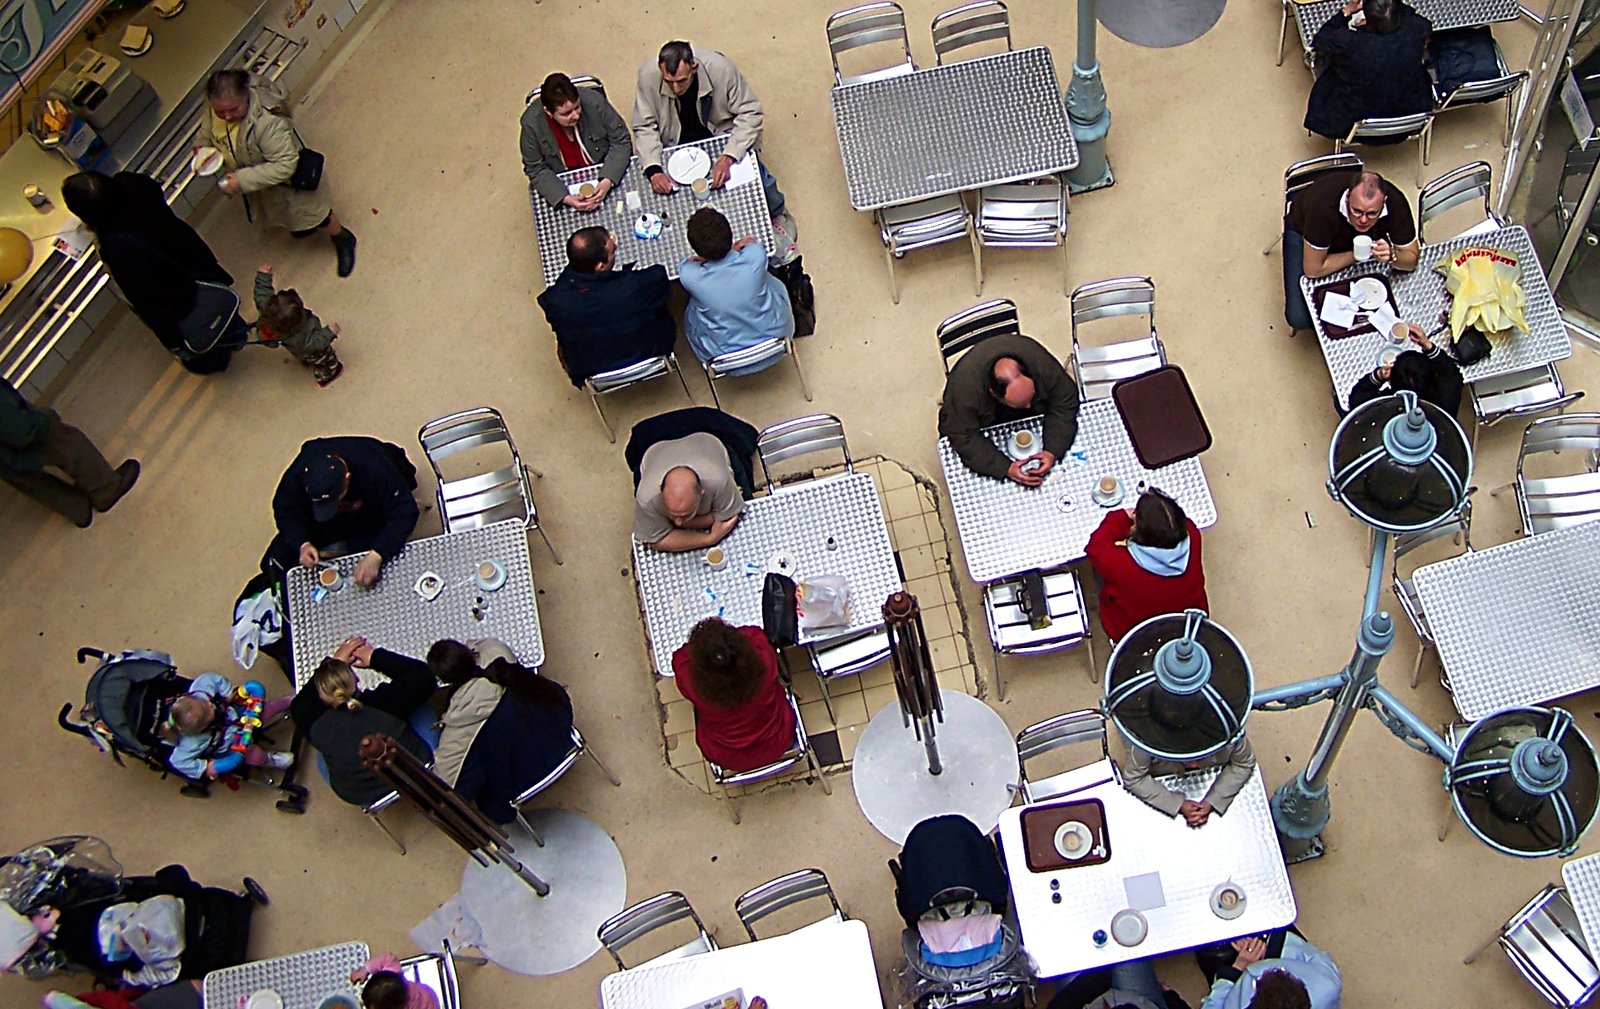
[[1320, 229], [1278, 971], [572, 127], [606, 318], [679, 99], [737, 436], [1008, 378], [350, 493], [1372, 67], [734, 302], [1237, 759], [687, 498]]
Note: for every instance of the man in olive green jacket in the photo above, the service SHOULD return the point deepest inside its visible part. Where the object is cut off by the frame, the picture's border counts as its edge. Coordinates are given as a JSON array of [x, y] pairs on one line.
[[31, 439], [1008, 378]]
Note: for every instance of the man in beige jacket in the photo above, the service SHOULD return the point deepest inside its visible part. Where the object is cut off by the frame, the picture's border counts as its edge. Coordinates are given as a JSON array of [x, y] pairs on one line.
[[680, 98]]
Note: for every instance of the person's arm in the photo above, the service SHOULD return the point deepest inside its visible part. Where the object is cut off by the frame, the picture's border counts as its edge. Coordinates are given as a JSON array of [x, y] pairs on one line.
[[1334, 35], [1406, 257], [410, 684], [646, 124], [619, 144], [400, 512], [291, 509], [1103, 542], [679, 540], [1142, 785], [747, 114], [1235, 774], [1367, 388], [276, 138], [263, 290], [187, 757], [1321, 262], [541, 176], [318, 337], [1061, 409], [964, 428]]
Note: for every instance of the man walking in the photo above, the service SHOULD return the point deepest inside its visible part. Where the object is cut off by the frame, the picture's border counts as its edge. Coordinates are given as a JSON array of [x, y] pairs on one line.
[[32, 439]]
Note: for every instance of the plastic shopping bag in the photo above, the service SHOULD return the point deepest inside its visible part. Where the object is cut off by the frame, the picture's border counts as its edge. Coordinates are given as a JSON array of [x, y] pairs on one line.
[[1486, 285], [823, 601]]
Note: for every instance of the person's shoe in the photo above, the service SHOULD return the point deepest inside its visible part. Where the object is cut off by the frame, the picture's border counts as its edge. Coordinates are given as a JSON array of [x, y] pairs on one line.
[[256, 892], [281, 760], [88, 517], [333, 373], [128, 474], [344, 243]]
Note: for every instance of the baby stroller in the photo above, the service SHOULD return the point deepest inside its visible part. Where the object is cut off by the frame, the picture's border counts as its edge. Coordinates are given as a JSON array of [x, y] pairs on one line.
[[125, 705], [961, 950], [78, 878]]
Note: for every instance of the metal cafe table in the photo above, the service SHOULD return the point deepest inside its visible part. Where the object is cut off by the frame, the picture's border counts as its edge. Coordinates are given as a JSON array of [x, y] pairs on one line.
[[393, 615], [829, 526], [302, 980], [1445, 14], [828, 964], [1006, 528], [1518, 623], [951, 128], [1420, 297], [1582, 879], [1158, 865], [744, 205]]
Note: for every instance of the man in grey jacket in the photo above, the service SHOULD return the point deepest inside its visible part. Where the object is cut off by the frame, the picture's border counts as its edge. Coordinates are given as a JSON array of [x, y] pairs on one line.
[[680, 98], [567, 128], [1008, 378]]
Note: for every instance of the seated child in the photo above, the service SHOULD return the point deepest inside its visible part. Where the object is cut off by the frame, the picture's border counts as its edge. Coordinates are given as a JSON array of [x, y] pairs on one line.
[[385, 988], [285, 322], [215, 724]]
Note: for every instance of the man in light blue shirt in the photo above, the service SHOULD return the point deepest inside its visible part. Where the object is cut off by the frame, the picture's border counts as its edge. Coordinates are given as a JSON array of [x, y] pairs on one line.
[[1301, 976], [734, 302]]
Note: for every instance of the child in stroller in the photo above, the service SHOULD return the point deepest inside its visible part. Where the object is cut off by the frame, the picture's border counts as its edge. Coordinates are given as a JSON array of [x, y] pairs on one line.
[[215, 725]]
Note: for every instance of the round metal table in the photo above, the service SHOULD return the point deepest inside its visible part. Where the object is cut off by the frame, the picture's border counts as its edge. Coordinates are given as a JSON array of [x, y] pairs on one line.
[[979, 756]]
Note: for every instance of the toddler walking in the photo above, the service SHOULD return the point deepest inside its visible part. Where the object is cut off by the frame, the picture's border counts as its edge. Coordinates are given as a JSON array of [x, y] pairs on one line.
[[285, 322]]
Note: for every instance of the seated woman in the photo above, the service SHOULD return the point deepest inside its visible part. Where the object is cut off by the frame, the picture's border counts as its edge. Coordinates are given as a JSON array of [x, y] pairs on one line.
[[1148, 562], [384, 987], [742, 717], [334, 713], [1430, 373], [1371, 68], [506, 726]]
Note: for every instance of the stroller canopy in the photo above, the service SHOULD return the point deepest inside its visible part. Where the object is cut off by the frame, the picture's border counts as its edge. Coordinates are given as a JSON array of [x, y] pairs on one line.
[[944, 852]]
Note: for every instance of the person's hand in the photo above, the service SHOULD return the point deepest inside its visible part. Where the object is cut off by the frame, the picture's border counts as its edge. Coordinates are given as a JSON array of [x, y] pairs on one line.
[[308, 555], [719, 171], [1026, 478], [1351, 7], [358, 975], [346, 652], [741, 243], [336, 330], [1048, 460], [1383, 373], [1195, 813], [45, 920], [720, 528], [661, 182], [601, 188], [575, 201], [1251, 949], [1382, 251], [266, 268], [229, 184], [367, 570], [1419, 336]]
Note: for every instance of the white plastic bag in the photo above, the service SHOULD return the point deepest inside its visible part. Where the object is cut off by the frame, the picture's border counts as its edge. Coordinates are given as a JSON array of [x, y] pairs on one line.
[[823, 601]]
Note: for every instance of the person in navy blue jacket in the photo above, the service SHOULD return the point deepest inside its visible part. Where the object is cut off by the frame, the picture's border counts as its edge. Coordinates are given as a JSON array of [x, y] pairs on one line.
[[605, 316], [350, 493]]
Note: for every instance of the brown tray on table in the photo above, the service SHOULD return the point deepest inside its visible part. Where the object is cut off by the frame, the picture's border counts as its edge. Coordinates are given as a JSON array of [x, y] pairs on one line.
[[1320, 294], [1039, 825], [1163, 420]]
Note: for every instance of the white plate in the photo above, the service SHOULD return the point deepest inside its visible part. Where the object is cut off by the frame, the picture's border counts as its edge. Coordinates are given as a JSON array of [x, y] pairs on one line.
[[428, 586], [206, 161], [149, 40], [1228, 913], [169, 12], [1082, 832], [266, 998], [1368, 292], [1129, 927], [687, 164], [784, 563], [494, 581]]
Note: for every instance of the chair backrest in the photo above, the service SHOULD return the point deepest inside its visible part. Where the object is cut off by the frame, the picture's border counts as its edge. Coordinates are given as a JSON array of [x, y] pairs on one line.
[[554, 774], [1520, 393], [971, 326], [1029, 204], [817, 432], [786, 891], [1388, 127], [869, 24], [1073, 728], [971, 24], [582, 81], [1461, 526], [748, 359], [436, 971], [1544, 941], [1453, 189], [1303, 173], [630, 374], [1579, 431], [1105, 299], [633, 923], [1491, 89], [494, 486]]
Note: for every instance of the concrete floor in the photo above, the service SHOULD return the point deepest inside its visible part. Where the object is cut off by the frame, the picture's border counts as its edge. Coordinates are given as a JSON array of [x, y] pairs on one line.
[[420, 131]]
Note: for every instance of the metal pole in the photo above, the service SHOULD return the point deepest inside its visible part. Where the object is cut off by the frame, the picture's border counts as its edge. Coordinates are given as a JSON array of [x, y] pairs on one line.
[[914, 680], [1086, 109]]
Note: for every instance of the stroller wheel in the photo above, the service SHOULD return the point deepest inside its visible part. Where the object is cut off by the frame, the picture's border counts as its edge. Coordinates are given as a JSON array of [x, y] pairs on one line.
[[256, 892]]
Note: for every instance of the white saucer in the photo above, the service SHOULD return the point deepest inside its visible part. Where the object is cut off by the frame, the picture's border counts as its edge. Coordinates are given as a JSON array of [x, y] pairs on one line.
[[784, 563], [206, 161], [687, 164], [266, 998], [1129, 927], [170, 12], [1368, 292], [1108, 500], [1228, 913], [1387, 354], [494, 581], [1018, 454], [1082, 832], [428, 586]]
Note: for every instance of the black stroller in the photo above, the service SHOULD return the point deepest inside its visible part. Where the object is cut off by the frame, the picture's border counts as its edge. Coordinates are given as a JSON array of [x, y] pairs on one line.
[[948, 869], [125, 705]]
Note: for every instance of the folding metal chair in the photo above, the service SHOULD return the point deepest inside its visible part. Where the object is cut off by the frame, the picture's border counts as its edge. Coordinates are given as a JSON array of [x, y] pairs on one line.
[[1406, 593], [1458, 187], [799, 752], [1303, 173], [1023, 215], [774, 895], [1098, 368], [1390, 128], [608, 382], [1011, 630], [817, 432], [869, 24], [634, 923], [849, 655], [1071, 729], [971, 326], [1519, 394], [1556, 502], [969, 25], [480, 495], [1503, 86], [580, 746], [1545, 943], [436, 971], [752, 359], [582, 81], [907, 227]]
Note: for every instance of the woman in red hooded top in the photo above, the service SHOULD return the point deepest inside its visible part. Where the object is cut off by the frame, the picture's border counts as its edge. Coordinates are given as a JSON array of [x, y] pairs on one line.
[[1148, 560], [742, 717]]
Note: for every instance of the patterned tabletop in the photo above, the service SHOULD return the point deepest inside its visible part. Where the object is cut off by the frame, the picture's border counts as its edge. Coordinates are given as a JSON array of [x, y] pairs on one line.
[[392, 615], [1518, 623], [782, 969], [1582, 877], [1445, 14], [302, 980], [1007, 528], [832, 526], [745, 207], [1241, 847], [951, 128], [1422, 299]]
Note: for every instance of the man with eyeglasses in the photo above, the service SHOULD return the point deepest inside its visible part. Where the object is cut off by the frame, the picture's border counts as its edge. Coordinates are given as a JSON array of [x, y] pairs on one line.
[[1320, 230]]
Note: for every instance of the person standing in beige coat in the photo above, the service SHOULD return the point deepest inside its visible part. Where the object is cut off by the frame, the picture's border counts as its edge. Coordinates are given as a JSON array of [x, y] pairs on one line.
[[249, 124]]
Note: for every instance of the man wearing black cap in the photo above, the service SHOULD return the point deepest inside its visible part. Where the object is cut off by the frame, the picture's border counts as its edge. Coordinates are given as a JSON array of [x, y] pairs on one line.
[[348, 494]]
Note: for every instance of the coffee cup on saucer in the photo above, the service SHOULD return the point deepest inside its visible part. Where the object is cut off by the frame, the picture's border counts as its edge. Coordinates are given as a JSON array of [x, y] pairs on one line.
[[1023, 444], [330, 579], [1108, 491], [1400, 332], [489, 575], [716, 558]]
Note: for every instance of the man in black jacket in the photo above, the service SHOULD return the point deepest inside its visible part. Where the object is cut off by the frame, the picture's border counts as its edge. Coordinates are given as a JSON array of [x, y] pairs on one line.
[[353, 493], [31, 439], [604, 317]]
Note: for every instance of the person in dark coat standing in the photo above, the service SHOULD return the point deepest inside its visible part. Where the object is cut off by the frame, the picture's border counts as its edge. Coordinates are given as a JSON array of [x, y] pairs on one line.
[[153, 255], [1009, 378], [1372, 68], [350, 493], [606, 317], [32, 439]]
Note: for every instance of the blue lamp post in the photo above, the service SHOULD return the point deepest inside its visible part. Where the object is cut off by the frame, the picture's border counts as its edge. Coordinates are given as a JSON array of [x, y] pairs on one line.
[[1086, 109]]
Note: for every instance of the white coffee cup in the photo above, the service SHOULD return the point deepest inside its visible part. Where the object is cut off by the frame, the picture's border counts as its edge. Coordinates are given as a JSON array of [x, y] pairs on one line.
[[716, 558], [1362, 248]]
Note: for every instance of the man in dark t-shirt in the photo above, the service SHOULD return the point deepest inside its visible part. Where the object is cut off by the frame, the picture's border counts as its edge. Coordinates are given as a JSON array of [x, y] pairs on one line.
[[1323, 221]]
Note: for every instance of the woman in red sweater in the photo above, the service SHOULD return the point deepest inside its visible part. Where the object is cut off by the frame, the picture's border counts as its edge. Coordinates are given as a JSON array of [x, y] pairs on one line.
[[742, 718], [1148, 560]]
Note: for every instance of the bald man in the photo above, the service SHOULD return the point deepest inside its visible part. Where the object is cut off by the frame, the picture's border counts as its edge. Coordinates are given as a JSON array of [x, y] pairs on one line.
[[687, 498], [1009, 378]]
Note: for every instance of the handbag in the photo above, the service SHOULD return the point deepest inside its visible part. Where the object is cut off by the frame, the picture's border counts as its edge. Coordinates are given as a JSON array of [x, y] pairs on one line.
[[212, 317], [1470, 347], [779, 617], [307, 169], [802, 296]]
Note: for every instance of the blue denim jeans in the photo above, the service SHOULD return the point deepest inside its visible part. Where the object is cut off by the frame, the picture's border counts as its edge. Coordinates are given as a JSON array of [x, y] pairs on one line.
[[775, 200], [1295, 311]]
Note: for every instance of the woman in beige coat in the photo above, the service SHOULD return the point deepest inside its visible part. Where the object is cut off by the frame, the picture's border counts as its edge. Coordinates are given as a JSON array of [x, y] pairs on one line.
[[250, 126]]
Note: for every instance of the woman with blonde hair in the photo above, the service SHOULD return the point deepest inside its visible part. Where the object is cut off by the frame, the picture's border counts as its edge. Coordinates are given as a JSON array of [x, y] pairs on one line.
[[334, 713]]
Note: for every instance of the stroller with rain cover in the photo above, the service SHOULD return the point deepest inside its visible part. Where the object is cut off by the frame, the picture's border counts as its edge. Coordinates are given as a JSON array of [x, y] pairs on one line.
[[125, 706], [78, 880], [961, 949]]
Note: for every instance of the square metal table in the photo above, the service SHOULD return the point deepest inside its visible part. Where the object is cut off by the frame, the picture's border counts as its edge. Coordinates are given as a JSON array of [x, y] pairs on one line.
[[1582, 878], [678, 590], [1420, 297], [1445, 14], [302, 980], [1241, 847], [744, 206], [951, 128], [828, 964], [1518, 623], [1006, 528], [392, 615]]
